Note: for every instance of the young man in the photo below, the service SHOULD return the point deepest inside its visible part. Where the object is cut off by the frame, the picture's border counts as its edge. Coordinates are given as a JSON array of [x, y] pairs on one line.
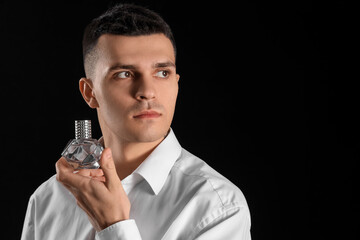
[[148, 187]]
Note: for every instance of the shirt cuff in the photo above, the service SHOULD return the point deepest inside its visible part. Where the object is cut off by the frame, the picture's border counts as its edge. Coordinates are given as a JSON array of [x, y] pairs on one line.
[[123, 230]]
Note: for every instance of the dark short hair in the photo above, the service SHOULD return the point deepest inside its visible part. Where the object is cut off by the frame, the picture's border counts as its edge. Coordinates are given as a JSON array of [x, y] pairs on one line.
[[122, 19]]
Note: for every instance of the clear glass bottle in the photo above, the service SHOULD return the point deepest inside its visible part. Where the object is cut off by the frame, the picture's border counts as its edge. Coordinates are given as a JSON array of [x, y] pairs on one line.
[[83, 151]]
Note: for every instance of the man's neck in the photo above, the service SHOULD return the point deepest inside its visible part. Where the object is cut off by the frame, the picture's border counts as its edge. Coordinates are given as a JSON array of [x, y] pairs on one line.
[[129, 155]]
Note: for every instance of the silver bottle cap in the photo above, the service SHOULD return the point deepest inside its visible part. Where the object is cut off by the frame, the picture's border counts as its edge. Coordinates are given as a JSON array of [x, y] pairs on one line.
[[82, 129]]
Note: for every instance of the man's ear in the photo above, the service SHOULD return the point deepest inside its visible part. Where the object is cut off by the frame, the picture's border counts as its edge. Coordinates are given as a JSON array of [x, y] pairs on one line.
[[86, 89]]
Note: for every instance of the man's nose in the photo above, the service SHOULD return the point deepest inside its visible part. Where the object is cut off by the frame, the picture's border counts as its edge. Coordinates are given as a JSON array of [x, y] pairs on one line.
[[145, 89]]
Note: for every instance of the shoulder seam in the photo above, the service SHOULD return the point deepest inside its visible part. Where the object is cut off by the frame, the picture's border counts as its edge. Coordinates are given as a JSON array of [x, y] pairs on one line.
[[210, 182], [207, 180]]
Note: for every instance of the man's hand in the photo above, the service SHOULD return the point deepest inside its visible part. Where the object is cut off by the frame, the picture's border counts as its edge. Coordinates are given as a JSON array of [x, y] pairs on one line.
[[98, 191]]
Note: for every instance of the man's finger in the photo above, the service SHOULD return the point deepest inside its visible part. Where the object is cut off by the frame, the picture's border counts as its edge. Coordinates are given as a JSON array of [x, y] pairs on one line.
[[65, 174], [99, 178], [90, 172], [108, 166]]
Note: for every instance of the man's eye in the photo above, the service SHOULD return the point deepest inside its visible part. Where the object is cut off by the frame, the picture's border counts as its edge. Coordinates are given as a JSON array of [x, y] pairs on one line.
[[162, 74], [123, 74]]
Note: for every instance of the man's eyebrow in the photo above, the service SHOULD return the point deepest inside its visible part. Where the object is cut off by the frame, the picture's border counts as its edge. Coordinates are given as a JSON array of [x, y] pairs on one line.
[[164, 64], [121, 66], [132, 67]]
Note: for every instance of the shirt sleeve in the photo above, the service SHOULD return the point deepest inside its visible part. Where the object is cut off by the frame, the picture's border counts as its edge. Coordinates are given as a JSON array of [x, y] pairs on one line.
[[123, 230], [28, 232], [233, 223]]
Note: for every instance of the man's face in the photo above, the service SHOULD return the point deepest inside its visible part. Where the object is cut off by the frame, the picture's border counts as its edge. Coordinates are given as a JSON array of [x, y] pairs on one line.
[[135, 85]]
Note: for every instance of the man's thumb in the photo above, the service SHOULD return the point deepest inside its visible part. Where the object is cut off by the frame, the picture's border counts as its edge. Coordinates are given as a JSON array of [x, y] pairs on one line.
[[108, 166]]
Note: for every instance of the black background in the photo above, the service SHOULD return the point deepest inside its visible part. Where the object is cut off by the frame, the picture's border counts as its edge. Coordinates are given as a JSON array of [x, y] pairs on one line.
[[268, 97]]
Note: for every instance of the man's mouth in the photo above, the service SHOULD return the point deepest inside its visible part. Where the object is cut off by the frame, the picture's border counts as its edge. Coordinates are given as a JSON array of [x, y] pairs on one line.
[[147, 114]]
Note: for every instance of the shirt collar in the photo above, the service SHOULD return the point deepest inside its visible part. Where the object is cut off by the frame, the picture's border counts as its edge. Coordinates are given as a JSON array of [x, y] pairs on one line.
[[156, 167]]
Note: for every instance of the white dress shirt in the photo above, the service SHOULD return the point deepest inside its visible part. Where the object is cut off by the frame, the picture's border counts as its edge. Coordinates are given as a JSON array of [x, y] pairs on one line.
[[173, 195]]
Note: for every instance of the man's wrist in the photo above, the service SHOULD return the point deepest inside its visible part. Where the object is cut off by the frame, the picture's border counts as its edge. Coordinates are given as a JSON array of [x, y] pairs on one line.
[[110, 223]]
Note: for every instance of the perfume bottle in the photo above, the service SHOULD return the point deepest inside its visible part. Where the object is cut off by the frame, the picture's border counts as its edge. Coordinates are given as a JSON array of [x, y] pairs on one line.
[[83, 151]]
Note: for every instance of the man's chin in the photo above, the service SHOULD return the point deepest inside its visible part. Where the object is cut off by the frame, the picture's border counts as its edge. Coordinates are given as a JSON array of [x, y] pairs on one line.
[[148, 134]]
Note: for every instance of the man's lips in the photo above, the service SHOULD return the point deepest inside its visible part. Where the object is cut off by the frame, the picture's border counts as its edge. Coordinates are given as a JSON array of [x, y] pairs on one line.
[[147, 114]]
